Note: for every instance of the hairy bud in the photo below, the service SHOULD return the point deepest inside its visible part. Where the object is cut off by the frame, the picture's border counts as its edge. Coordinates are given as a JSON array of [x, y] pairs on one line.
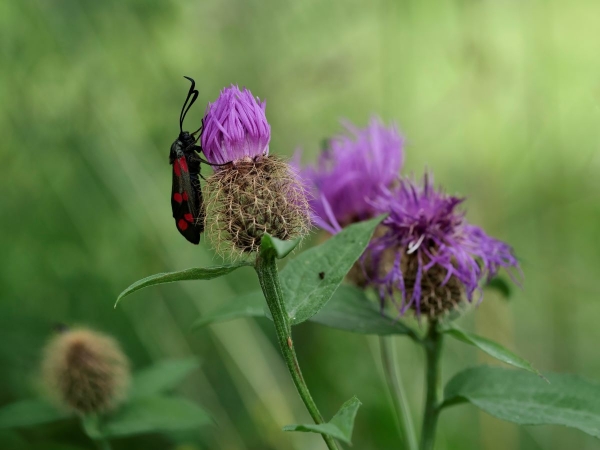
[[85, 371], [253, 196]]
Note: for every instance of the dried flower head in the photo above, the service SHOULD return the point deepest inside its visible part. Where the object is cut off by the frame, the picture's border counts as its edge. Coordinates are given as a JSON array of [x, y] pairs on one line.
[[250, 193], [429, 253], [351, 172], [85, 371], [235, 127]]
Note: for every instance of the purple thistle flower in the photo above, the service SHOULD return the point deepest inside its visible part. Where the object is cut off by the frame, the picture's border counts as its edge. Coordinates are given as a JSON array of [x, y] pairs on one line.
[[235, 127], [429, 252], [352, 172]]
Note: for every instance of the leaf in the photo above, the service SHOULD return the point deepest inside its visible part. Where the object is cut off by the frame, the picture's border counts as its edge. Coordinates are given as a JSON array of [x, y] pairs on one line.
[[27, 413], [491, 348], [196, 273], [309, 280], [525, 399], [154, 414], [351, 310], [162, 377], [50, 446], [10, 440], [501, 285], [280, 248], [248, 305], [339, 427], [91, 426]]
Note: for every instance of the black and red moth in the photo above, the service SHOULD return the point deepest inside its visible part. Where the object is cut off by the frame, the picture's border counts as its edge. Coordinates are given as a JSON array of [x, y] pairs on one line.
[[186, 196]]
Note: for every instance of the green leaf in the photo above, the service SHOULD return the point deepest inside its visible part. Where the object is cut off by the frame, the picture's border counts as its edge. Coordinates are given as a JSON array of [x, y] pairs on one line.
[[491, 348], [27, 413], [50, 446], [309, 280], [248, 305], [501, 285], [339, 427], [525, 399], [162, 377], [280, 248], [11, 440], [154, 414], [196, 273], [351, 310]]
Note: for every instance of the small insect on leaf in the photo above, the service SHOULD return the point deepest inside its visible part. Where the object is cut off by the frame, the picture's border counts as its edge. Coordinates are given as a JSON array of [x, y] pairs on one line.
[[322, 275]]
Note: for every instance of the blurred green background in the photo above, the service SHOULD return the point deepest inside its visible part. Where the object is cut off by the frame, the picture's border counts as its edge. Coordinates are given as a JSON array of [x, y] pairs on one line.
[[500, 99]]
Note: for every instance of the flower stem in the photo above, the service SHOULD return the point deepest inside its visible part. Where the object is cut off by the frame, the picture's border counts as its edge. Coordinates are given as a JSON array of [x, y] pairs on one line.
[[266, 268], [394, 382], [433, 349], [90, 425]]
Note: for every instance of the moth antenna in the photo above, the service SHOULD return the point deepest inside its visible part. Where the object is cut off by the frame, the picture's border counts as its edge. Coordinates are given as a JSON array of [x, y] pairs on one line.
[[191, 97]]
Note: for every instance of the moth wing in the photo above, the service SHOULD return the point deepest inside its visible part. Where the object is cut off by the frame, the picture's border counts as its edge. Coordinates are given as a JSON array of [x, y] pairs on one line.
[[184, 202]]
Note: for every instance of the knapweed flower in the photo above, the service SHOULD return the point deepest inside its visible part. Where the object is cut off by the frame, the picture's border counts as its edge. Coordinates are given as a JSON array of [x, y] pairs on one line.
[[85, 371], [235, 127], [251, 192], [351, 172], [429, 253]]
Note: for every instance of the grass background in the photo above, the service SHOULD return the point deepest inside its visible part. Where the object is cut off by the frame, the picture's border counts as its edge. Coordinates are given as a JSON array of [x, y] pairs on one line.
[[500, 99]]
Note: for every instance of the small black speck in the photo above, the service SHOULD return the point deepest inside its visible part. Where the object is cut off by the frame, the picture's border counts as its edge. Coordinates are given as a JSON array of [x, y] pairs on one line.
[[321, 275]]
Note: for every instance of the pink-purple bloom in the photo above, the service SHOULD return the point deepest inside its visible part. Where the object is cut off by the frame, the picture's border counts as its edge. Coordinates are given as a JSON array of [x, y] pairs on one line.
[[235, 127], [351, 172], [424, 224]]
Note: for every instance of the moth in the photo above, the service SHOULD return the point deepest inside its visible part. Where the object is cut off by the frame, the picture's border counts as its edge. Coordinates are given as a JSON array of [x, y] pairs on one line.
[[186, 195]]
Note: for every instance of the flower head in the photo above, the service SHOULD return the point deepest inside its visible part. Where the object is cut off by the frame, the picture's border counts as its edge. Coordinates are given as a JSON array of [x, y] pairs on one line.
[[429, 252], [85, 371], [353, 171], [235, 127], [251, 192]]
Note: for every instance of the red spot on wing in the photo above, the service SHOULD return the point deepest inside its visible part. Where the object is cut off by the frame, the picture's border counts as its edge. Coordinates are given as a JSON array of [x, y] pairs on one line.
[[182, 225], [185, 196], [188, 217], [177, 197], [183, 164]]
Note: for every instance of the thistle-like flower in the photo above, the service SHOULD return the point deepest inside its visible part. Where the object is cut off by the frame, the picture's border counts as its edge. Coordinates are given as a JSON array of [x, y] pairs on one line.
[[351, 172], [85, 371], [429, 253], [251, 192]]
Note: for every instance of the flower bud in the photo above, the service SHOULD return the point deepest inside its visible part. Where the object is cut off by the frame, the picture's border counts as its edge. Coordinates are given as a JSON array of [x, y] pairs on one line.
[[85, 371]]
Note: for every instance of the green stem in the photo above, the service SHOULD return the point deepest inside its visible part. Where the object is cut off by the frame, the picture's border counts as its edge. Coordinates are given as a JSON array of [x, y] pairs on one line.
[[266, 268], [433, 349], [90, 425], [392, 375]]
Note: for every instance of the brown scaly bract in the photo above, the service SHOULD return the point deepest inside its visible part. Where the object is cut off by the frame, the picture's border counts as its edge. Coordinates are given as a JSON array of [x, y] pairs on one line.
[[252, 196]]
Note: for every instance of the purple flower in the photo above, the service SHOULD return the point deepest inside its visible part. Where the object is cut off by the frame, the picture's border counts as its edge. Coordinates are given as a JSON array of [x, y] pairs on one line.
[[352, 172], [235, 127], [429, 252]]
